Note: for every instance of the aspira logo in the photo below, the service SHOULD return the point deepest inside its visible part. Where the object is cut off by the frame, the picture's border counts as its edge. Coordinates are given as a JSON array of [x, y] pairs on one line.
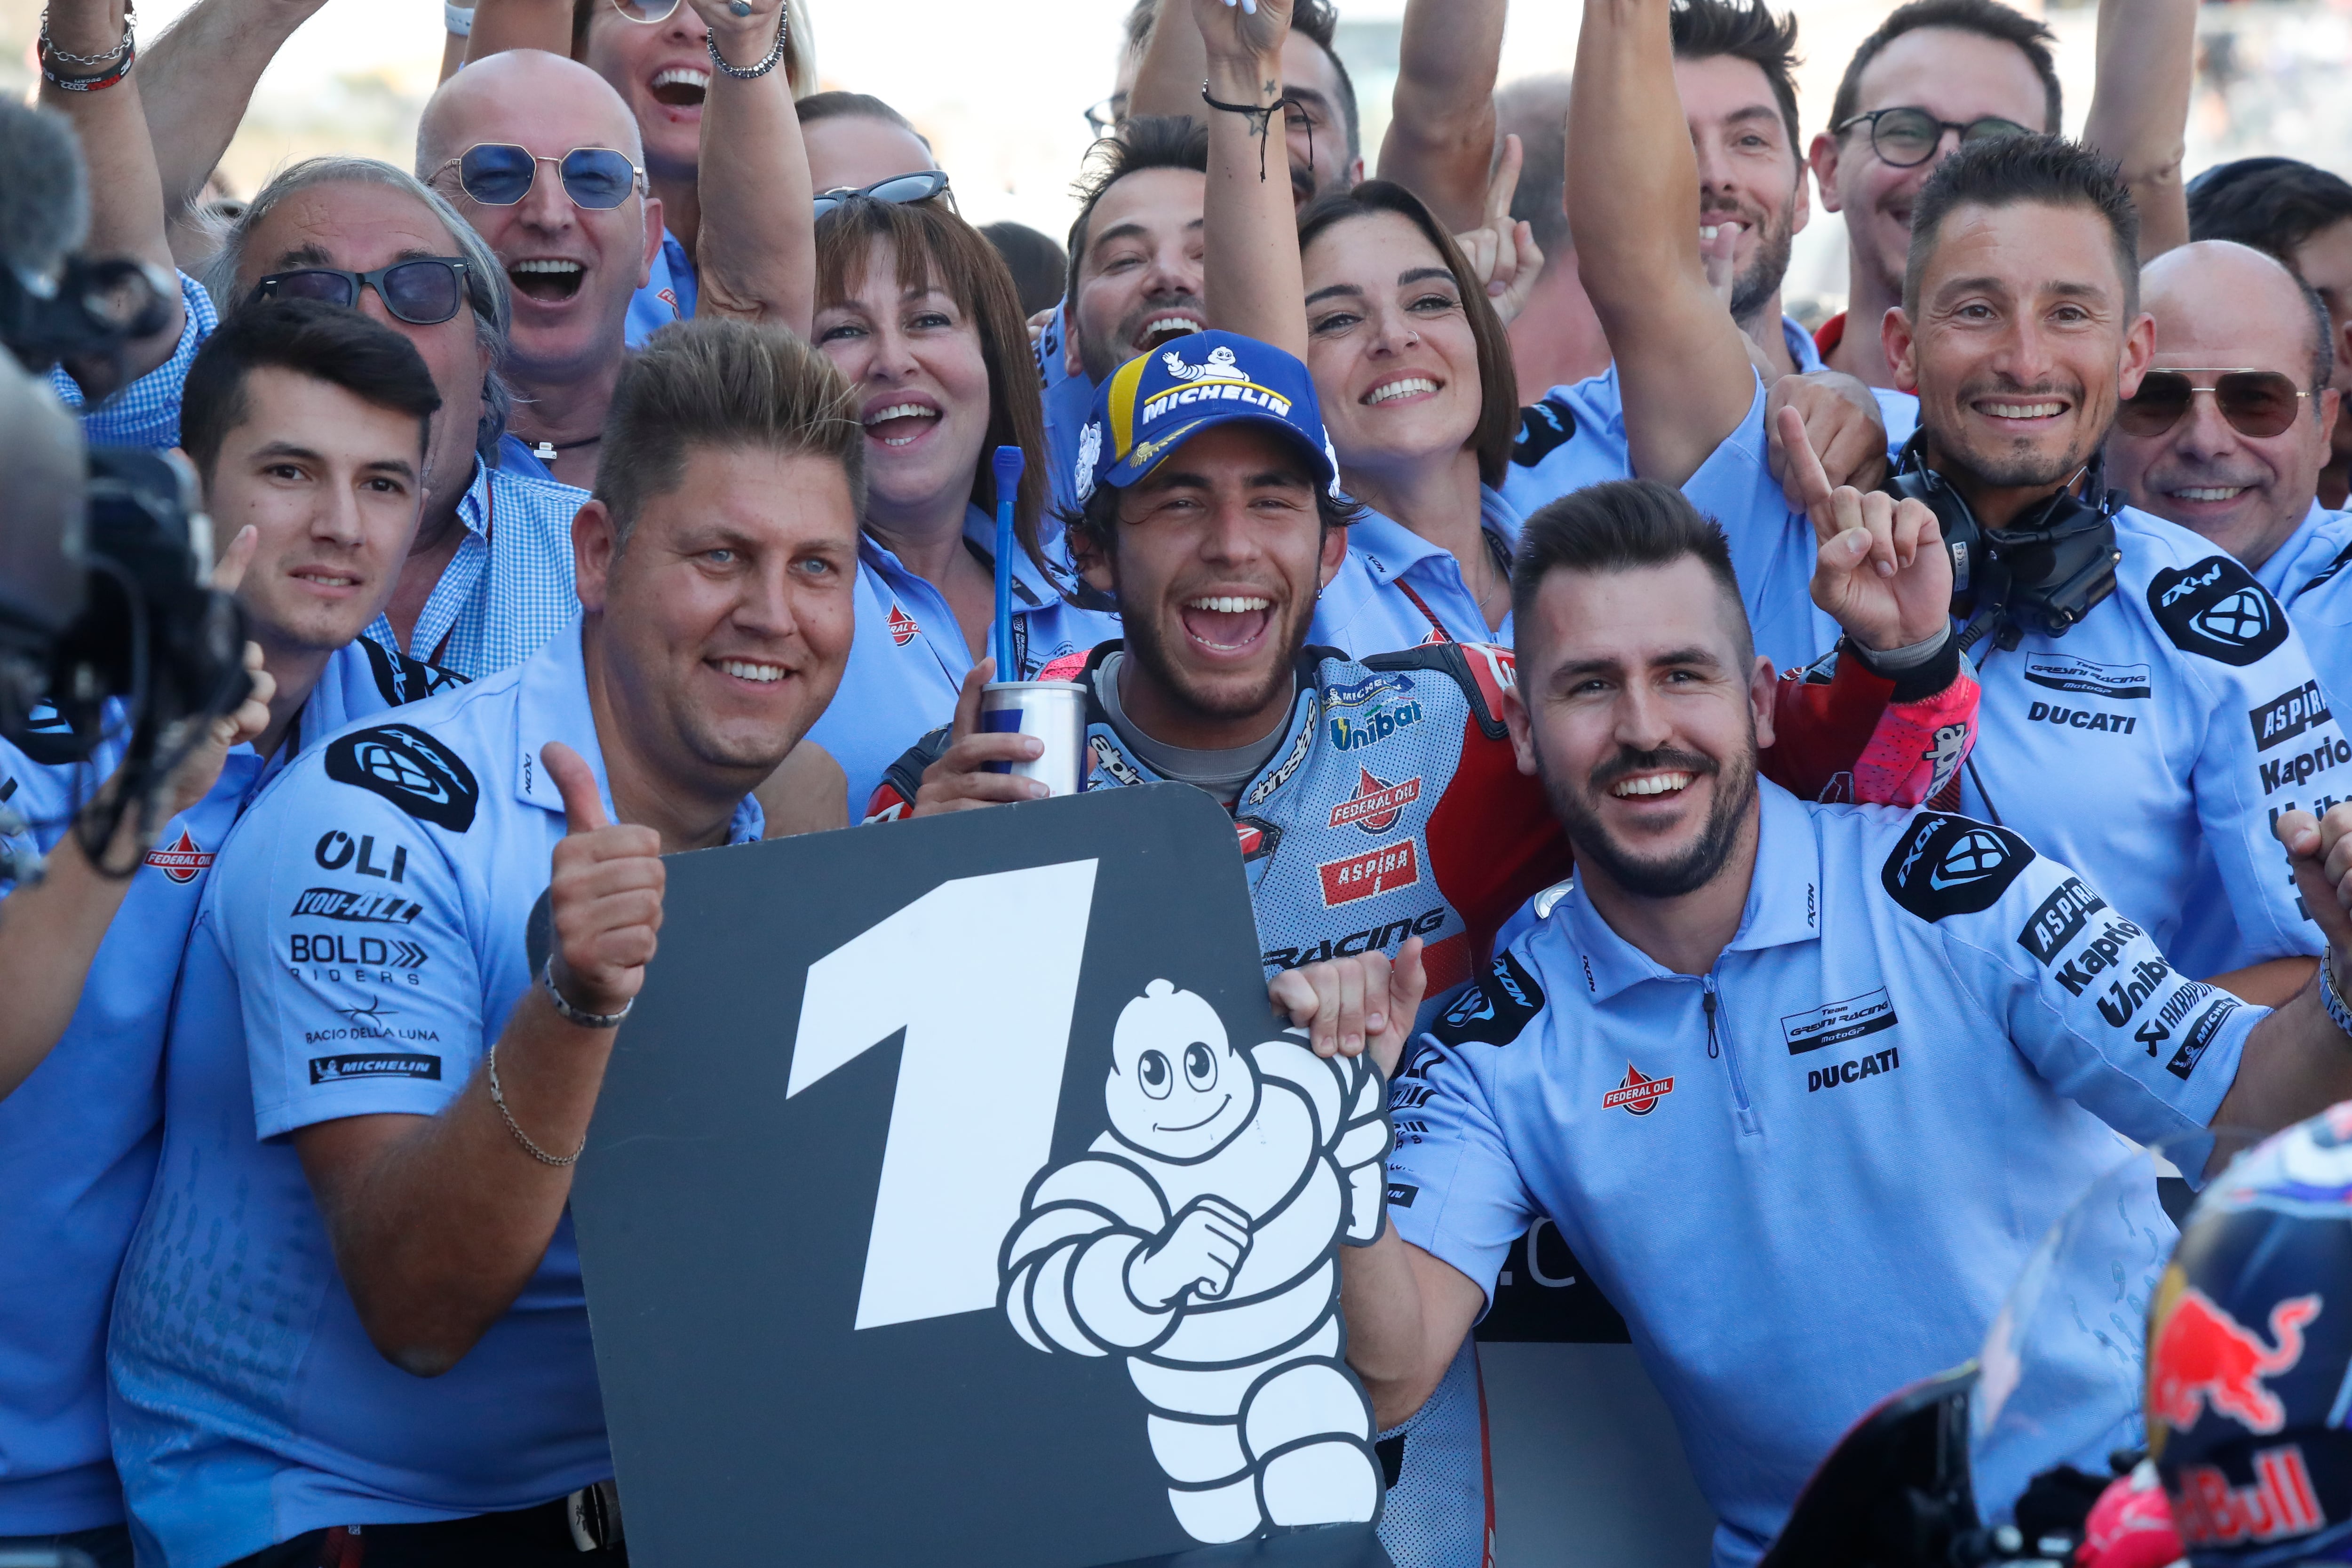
[[1374, 725]]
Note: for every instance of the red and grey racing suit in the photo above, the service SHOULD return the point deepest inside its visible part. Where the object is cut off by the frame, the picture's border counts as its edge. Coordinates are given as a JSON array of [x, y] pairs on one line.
[[1394, 807]]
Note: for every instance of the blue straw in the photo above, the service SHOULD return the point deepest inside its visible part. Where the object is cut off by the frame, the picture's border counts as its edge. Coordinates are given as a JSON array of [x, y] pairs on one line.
[[1008, 464]]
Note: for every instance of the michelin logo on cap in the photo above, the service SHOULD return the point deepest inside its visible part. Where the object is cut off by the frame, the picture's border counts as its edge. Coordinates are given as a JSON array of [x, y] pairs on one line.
[[1210, 379]]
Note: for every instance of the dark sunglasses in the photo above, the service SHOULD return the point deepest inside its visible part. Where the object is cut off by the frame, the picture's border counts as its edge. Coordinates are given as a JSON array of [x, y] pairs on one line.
[[901, 189], [499, 174], [424, 291], [1907, 137], [2256, 402]]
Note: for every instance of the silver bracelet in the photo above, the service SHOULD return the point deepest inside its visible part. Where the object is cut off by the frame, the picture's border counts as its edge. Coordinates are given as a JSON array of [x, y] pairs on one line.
[[579, 1015], [499, 1099], [2330, 997], [783, 19], [64, 57]]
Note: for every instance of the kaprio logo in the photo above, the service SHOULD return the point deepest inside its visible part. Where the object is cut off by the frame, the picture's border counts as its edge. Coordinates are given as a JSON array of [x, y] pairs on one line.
[[1370, 728], [1636, 1094]]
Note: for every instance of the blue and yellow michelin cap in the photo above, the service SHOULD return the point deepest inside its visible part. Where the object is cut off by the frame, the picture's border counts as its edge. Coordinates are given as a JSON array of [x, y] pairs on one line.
[[1155, 402]]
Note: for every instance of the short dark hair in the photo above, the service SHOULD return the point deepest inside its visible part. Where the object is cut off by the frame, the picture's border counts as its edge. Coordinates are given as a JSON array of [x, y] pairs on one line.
[[841, 105], [1498, 385], [2273, 205], [1744, 29], [1986, 18], [2009, 171], [310, 337], [1038, 264], [1095, 520], [710, 380], [1145, 141], [1623, 525]]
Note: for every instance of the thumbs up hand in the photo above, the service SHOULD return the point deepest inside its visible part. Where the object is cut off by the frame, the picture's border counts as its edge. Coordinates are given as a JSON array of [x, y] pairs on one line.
[[605, 899]]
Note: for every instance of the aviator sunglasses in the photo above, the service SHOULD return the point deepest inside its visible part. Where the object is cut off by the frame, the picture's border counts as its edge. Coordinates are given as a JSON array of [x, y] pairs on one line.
[[2256, 402], [499, 174], [1906, 136], [424, 291]]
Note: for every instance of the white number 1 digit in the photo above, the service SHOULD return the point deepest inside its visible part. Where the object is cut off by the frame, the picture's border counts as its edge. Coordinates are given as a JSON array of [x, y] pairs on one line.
[[983, 973]]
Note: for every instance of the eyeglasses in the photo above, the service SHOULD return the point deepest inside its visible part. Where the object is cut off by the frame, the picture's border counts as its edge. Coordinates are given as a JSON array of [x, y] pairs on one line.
[[647, 11], [424, 291], [2256, 402], [499, 174], [1103, 118], [901, 189], [1907, 137]]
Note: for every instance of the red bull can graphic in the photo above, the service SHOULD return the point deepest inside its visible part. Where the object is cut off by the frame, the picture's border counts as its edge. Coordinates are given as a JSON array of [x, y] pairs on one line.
[[2281, 1504], [2204, 1359]]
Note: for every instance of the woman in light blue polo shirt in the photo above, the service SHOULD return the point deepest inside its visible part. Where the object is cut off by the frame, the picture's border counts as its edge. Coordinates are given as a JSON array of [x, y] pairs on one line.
[[917, 310]]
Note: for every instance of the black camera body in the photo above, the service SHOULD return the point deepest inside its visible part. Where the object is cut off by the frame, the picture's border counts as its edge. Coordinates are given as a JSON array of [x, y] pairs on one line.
[[2043, 573]]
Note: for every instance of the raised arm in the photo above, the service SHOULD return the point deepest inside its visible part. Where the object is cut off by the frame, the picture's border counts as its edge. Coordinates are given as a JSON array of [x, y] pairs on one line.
[[1168, 77], [1632, 204], [756, 255], [1441, 139], [126, 193], [199, 78], [500, 25], [2139, 109], [1252, 282]]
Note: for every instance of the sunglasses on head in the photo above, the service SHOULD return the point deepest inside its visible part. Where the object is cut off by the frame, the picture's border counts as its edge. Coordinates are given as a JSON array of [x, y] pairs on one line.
[[902, 189], [2256, 402], [424, 291], [1907, 136], [499, 174]]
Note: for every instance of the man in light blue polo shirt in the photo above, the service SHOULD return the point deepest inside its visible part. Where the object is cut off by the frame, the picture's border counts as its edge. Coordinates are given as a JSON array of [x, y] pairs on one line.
[[308, 430], [1801, 1086], [379, 1084]]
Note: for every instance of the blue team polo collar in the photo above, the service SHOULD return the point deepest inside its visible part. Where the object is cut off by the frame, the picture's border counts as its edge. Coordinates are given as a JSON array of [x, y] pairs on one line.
[[1802, 347], [2275, 572], [1031, 589], [1390, 549], [551, 704], [1784, 902]]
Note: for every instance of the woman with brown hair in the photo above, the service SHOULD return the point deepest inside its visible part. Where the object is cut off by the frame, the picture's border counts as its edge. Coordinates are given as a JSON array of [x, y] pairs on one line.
[[916, 309]]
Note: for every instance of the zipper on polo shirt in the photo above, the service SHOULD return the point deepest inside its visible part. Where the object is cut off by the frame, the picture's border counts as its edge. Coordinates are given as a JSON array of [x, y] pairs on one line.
[[1719, 1043]]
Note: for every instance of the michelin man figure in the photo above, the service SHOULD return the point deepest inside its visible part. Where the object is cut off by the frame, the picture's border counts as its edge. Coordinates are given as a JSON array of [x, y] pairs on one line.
[[1195, 1237]]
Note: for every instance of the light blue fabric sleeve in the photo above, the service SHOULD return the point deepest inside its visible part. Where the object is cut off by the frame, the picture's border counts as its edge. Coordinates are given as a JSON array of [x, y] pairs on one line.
[[147, 412], [1453, 1188]]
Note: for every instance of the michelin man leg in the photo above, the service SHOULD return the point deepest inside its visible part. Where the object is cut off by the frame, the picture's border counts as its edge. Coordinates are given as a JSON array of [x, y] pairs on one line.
[[1308, 1433]]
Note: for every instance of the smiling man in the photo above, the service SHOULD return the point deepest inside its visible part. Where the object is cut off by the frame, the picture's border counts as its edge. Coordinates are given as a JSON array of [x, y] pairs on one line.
[[308, 425], [380, 1079], [1801, 1086]]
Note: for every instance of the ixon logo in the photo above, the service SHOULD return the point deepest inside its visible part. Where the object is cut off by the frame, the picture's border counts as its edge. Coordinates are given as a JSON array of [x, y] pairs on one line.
[[1373, 726]]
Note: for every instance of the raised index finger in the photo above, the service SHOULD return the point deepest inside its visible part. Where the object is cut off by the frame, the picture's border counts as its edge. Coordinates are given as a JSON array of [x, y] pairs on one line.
[[1504, 183], [583, 809]]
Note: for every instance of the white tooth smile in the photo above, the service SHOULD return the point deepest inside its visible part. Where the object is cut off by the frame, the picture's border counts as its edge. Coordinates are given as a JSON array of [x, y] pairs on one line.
[[2211, 493], [763, 673], [1649, 783], [1169, 327], [1710, 230], [682, 76], [1229, 604], [544, 264], [1405, 387], [2024, 410], [325, 580]]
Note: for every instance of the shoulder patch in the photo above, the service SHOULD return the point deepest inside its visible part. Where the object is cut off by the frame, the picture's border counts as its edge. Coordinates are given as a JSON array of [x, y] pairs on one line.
[[1544, 428], [403, 680], [2343, 557], [1493, 1008], [410, 769], [2217, 610], [1953, 866]]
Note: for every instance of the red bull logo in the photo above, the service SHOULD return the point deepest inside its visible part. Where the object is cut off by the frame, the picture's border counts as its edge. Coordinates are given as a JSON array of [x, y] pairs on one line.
[[2205, 1360], [2280, 1505]]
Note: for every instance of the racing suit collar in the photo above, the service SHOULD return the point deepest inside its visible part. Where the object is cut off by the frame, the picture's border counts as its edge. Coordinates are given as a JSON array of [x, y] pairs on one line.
[[552, 705], [1297, 736], [1784, 902]]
